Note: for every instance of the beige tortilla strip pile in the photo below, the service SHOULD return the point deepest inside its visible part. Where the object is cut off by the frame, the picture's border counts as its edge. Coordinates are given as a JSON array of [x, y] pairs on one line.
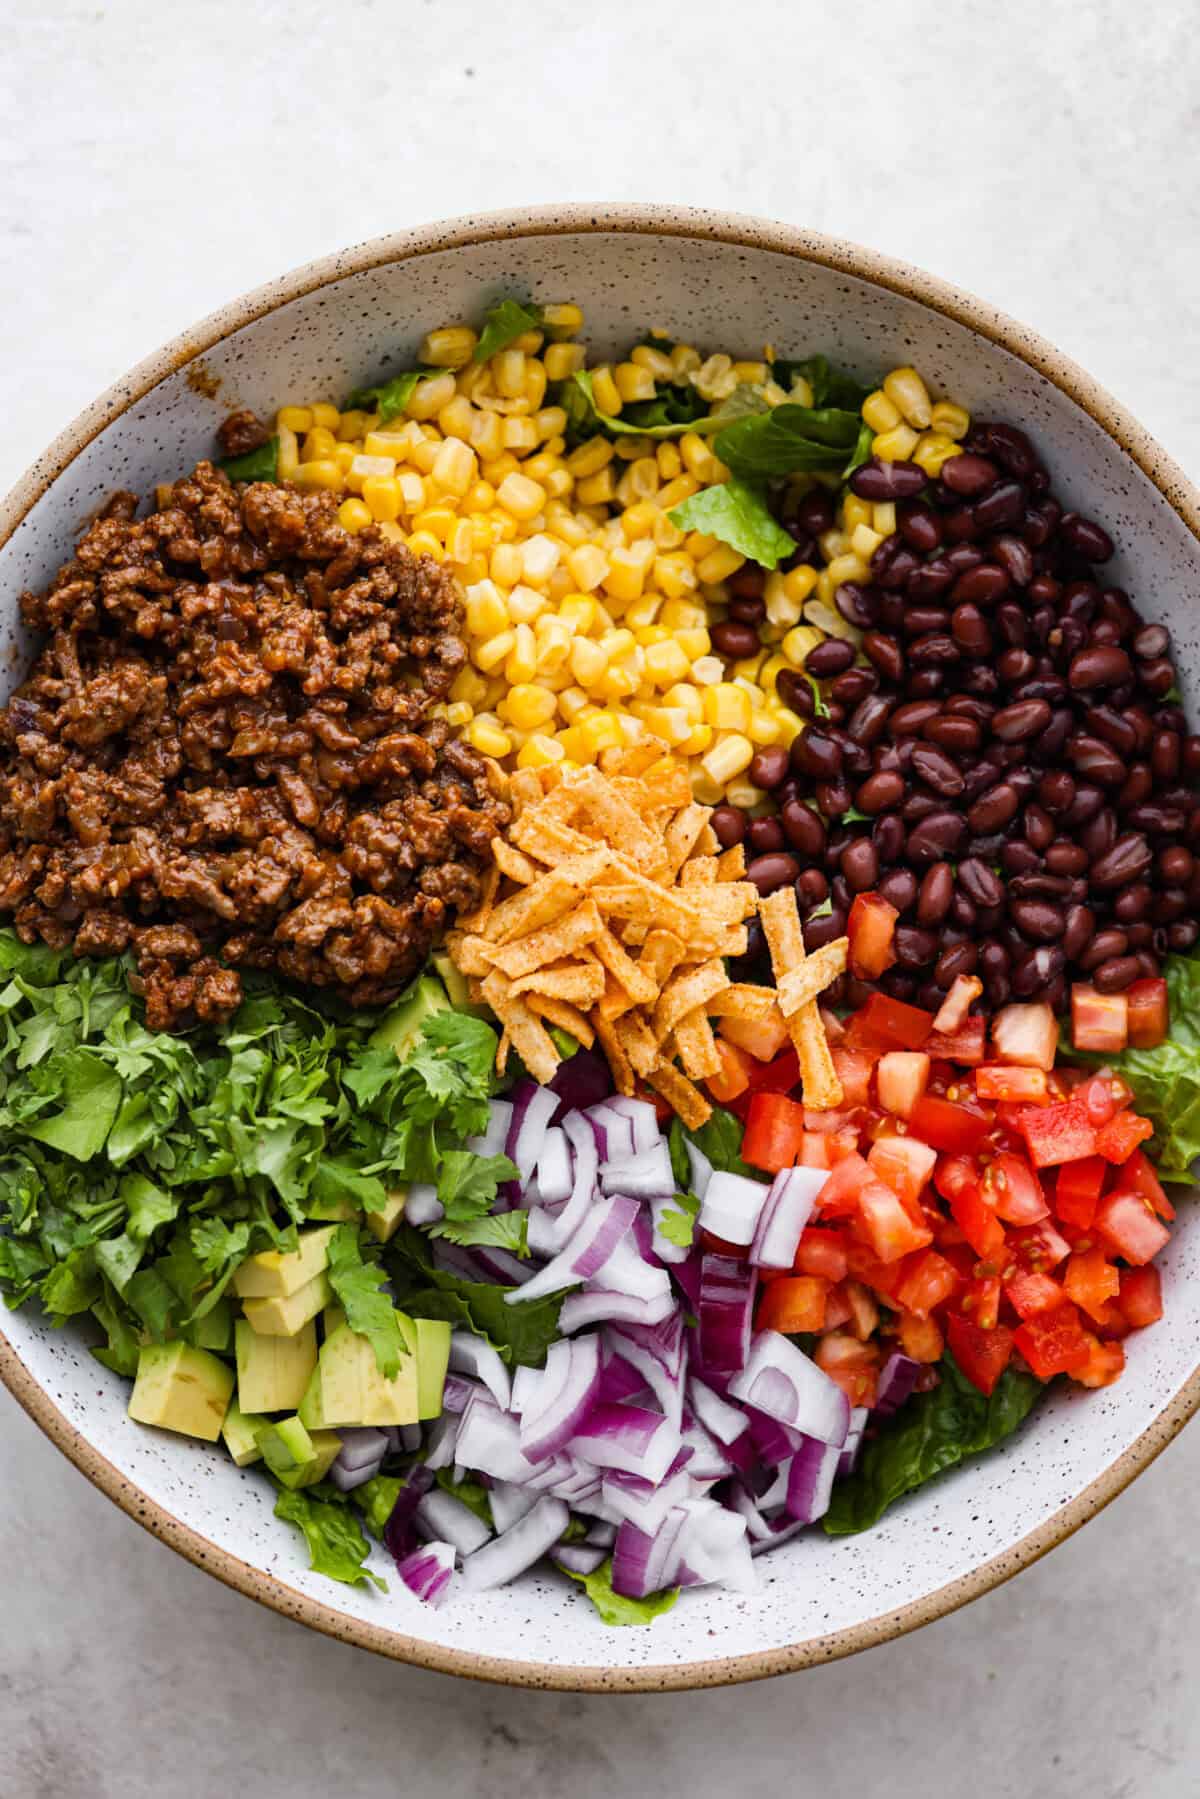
[[799, 978]]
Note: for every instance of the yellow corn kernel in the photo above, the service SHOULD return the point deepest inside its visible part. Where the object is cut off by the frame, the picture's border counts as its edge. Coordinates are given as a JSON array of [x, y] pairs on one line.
[[392, 444], [753, 372], [768, 674], [460, 542], [454, 467], [790, 724], [694, 642], [325, 475], [424, 543], [491, 653], [879, 412], [345, 455], [589, 663], [553, 645], [848, 568], [633, 382], [688, 698], [561, 361], [906, 390], [727, 707], [864, 542], [578, 612], [896, 445], [719, 564], [672, 726], [525, 604], [698, 459], [319, 445], [437, 520], [618, 684], [933, 450], [833, 543], [744, 794], [685, 360], [450, 347], [469, 687], [641, 614], [487, 614], [783, 609], [459, 713], [605, 391], [715, 379], [800, 581], [656, 362], [763, 728], [508, 373], [708, 670], [641, 479], [520, 664], [948, 420], [627, 570], [678, 614], [287, 459], [519, 434], [596, 490], [457, 419], [670, 462], [488, 738], [728, 757], [487, 435], [542, 466], [571, 702], [505, 564], [539, 558], [883, 517], [700, 738], [527, 706], [799, 642], [677, 491], [588, 566], [590, 457], [423, 455], [550, 422], [412, 491], [603, 732], [428, 397], [295, 418], [520, 496], [326, 416], [540, 751], [353, 515], [562, 318], [855, 512], [479, 497], [667, 663], [354, 425], [745, 673]]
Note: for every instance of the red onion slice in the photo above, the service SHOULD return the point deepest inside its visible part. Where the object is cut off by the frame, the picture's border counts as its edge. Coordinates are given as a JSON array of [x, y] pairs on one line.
[[597, 1306], [896, 1380], [554, 1178], [643, 1120], [723, 1421], [578, 1558], [360, 1445], [475, 1356], [509, 1503], [569, 1386], [440, 1515], [726, 1309], [635, 1501], [810, 1480], [789, 1204], [588, 1250], [627, 1437], [491, 1142], [646, 1174], [428, 1572], [783, 1382], [731, 1206], [534, 1111], [443, 1439], [641, 1562], [613, 1133], [506, 1556], [713, 1547], [848, 1459], [489, 1441]]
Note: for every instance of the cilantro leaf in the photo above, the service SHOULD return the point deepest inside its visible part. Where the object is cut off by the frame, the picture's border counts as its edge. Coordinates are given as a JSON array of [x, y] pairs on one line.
[[336, 1544], [738, 514], [90, 1093], [468, 1183], [679, 1227], [506, 1230], [359, 1284], [615, 1608]]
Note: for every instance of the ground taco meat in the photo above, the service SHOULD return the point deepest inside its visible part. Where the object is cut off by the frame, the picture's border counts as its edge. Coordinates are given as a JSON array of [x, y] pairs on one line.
[[223, 757]]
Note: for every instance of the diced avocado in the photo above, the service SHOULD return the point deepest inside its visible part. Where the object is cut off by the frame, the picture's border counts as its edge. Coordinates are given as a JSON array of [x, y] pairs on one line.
[[215, 1329], [309, 1411], [352, 1389], [404, 1022], [456, 985], [332, 1319], [275, 1275], [383, 1224], [293, 1456], [273, 1371], [284, 1317], [433, 1358], [179, 1387], [239, 1431]]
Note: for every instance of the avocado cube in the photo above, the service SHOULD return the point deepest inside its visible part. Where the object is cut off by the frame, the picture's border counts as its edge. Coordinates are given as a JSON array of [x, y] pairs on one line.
[[284, 1317], [403, 1023], [456, 985], [433, 1358], [273, 1372], [215, 1330], [238, 1432], [309, 1410], [383, 1224], [354, 1392], [179, 1387], [275, 1275], [293, 1456]]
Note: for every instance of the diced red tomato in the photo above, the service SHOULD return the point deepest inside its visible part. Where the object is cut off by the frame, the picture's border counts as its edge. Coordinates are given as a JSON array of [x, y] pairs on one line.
[[774, 1132], [978, 1223], [1112, 1322], [1029, 1292], [853, 1365], [1140, 1296], [983, 1354], [948, 1125], [901, 1077], [1091, 1280], [998, 1080], [981, 1301], [965, 1046], [762, 1038], [1078, 1188], [838, 1198], [921, 1338], [837, 1309], [794, 1304], [1102, 1096], [952, 1173], [1117, 1140], [928, 1281], [1038, 1245], [1099, 1021], [951, 1015], [853, 1070], [822, 1252], [871, 928], [890, 1023], [882, 1277], [1060, 1133], [903, 1163], [779, 1075], [1105, 1363], [1148, 1016], [863, 1309], [1053, 1342], [885, 1223], [814, 1151], [827, 1124], [1138, 1176], [1026, 1034], [835, 1030], [1013, 1190], [1128, 1225], [842, 1143], [733, 1077]]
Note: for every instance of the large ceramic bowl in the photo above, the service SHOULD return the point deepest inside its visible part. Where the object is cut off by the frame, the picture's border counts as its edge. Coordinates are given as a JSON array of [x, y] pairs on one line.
[[719, 281]]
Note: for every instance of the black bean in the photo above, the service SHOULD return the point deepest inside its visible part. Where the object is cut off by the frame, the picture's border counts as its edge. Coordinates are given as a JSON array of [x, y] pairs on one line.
[[1114, 976], [936, 650], [919, 526], [1089, 540], [1181, 937], [729, 825], [885, 653], [1056, 790], [805, 829], [979, 883], [918, 621], [1047, 746], [930, 581], [1039, 919], [812, 889], [1127, 860], [1077, 931], [1151, 642], [1133, 902], [858, 605], [867, 723], [765, 835], [1158, 676], [820, 931], [854, 685], [1019, 858], [937, 836], [1011, 624], [935, 768], [833, 797], [914, 947], [879, 793], [1103, 665], [1087, 802], [1035, 969], [1160, 821], [961, 736], [814, 752], [860, 865], [769, 767], [899, 888], [795, 690], [1094, 760], [893, 564], [1175, 864], [1115, 728], [910, 720], [960, 958], [1066, 858], [1003, 505], [1038, 827], [733, 639], [985, 585], [1015, 666], [749, 611], [969, 475], [1014, 558], [935, 894], [830, 658], [1169, 905], [1013, 724], [1166, 755], [993, 809], [887, 834], [877, 480], [768, 873]]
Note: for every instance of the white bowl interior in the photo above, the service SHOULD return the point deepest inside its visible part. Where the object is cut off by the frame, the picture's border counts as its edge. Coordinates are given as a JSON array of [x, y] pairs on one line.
[[720, 296]]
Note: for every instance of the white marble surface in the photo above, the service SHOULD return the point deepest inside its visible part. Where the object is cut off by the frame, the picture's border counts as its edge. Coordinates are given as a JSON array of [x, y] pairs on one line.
[[154, 162]]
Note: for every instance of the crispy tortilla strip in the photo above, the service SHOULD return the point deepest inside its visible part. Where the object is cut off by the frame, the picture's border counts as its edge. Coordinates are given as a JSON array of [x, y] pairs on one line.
[[637, 758], [733, 941], [513, 863], [661, 955], [623, 968], [684, 1099], [579, 983], [609, 816], [682, 833], [637, 1040], [502, 1050], [618, 1061], [527, 1033], [731, 863], [697, 1046], [477, 920], [725, 902], [743, 1000], [548, 898], [553, 943], [799, 986], [700, 873], [785, 940], [524, 789], [781, 925], [629, 895], [684, 992], [665, 784], [706, 843], [568, 1018], [615, 1000], [548, 839], [472, 955]]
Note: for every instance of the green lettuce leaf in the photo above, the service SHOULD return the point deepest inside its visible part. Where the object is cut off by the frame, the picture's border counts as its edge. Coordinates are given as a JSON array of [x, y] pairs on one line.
[[932, 1432], [390, 398], [720, 1139], [738, 514], [830, 386], [90, 1094], [615, 1608], [669, 414], [376, 1499], [359, 1283], [520, 1333], [336, 1544], [256, 465], [789, 439], [506, 320]]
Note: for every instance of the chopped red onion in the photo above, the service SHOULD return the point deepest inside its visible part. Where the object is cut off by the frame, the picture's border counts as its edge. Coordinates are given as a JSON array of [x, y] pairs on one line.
[[643, 1119], [346, 1479], [534, 1110], [519, 1548], [723, 1421], [489, 1440], [627, 1437], [726, 1310], [554, 1168], [783, 1382], [701, 1167], [441, 1515], [613, 1133], [664, 1249], [647, 1174], [709, 1461], [475, 1356], [642, 1563], [619, 1379], [639, 1502], [399, 1536], [849, 1457], [491, 1142], [582, 1080], [360, 1444], [781, 1223], [602, 1534], [443, 1439], [423, 1205], [595, 1306], [428, 1572], [810, 1480], [498, 1265], [565, 1394], [410, 1438], [626, 1271], [509, 1503], [664, 1380], [578, 1558], [587, 1251], [713, 1547], [896, 1380], [731, 1206]]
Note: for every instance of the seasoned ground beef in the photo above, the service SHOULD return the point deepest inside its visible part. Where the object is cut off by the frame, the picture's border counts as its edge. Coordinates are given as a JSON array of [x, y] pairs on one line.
[[223, 755]]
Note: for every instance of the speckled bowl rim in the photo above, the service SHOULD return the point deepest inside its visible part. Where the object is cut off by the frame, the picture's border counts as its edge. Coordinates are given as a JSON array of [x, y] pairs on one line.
[[550, 221]]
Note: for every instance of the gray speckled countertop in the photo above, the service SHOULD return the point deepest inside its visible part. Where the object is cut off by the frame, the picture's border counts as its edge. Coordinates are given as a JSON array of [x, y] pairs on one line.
[[154, 162]]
